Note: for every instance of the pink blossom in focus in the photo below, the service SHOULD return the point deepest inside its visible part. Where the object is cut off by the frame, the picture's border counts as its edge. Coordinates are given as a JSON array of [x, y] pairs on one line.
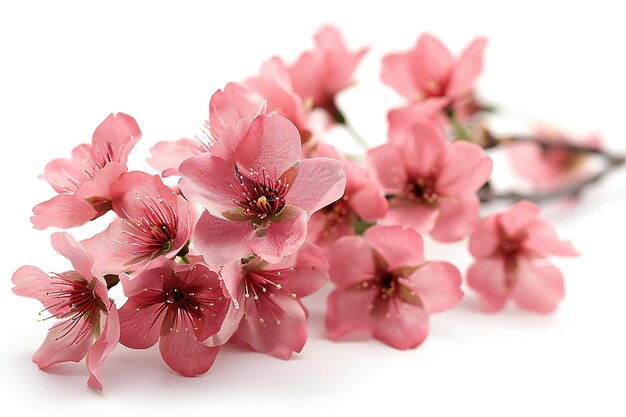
[[429, 70], [431, 183], [179, 306], [260, 201], [231, 111], [153, 221], [83, 182], [363, 200], [384, 286], [511, 250], [90, 324], [550, 168], [320, 74], [272, 319]]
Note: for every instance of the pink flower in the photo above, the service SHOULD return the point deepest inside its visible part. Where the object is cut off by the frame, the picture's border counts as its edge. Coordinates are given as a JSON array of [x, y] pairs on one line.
[[231, 111], [429, 70], [511, 250], [550, 168], [274, 321], [386, 287], [153, 221], [81, 301], [320, 74], [259, 201], [83, 182], [431, 183], [274, 85], [179, 306], [402, 121], [363, 200]]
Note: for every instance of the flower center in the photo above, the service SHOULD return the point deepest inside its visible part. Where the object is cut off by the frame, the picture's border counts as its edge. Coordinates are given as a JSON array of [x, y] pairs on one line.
[[509, 248], [260, 286], [153, 232], [261, 195], [423, 189]]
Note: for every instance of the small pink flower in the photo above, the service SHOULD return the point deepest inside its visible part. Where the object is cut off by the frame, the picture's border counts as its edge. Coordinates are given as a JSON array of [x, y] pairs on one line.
[[153, 221], [259, 201], [83, 182], [81, 301], [274, 84], [320, 74], [429, 70], [550, 168], [431, 183], [386, 287], [179, 306], [511, 250], [231, 111], [363, 200], [274, 321]]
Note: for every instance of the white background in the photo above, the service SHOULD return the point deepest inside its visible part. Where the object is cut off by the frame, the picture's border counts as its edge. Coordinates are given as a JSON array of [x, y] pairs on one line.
[[64, 67]]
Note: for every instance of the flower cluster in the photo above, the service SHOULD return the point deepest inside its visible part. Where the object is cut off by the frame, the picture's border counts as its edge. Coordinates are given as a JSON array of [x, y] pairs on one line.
[[263, 211]]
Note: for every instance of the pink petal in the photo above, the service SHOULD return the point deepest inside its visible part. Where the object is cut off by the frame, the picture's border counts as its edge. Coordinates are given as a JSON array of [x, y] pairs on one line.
[[466, 169], [34, 283], [308, 274], [515, 220], [430, 64], [103, 179], [397, 75], [424, 150], [167, 156], [282, 238], [369, 202], [102, 348], [320, 181], [111, 255], [140, 323], [69, 248], [542, 240], [351, 262], [485, 240], [231, 322], [457, 218], [222, 241], [387, 167], [63, 211], [211, 182], [397, 246], [348, 311], [412, 214], [182, 352], [404, 327], [114, 138], [437, 284], [467, 69], [65, 175], [488, 277], [539, 286], [54, 350], [402, 120], [271, 147], [275, 326]]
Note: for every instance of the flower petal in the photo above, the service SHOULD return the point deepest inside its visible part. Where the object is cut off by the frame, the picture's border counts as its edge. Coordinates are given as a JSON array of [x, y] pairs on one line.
[[437, 284], [282, 238], [58, 346], [410, 213], [222, 241], [76, 253], [167, 156], [320, 182], [539, 286], [399, 247], [308, 274], [467, 69], [405, 326], [100, 185], [457, 218], [63, 211], [396, 74], [387, 167], [102, 348], [466, 169], [351, 261], [369, 202], [348, 311], [140, 322], [430, 65], [485, 240], [114, 138], [488, 277], [516, 219]]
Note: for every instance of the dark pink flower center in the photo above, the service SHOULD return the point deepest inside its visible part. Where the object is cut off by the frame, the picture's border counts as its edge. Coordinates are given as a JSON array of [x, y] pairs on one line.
[[262, 287], [73, 298], [423, 189], [153, 231], [262, 195]]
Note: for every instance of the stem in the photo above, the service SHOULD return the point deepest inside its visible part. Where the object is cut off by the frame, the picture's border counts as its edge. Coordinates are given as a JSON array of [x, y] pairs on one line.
[[355, 135], [184, 260]]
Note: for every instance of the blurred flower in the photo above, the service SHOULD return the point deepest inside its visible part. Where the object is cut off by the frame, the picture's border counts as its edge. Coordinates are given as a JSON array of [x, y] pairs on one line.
[[363, 200], [551, 167], [320, 74], [274, 321], [511, 250], [386, 287], [81, 300], [83, 182], [153, 221], [179, 306], [431, 184], [259, 201]]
